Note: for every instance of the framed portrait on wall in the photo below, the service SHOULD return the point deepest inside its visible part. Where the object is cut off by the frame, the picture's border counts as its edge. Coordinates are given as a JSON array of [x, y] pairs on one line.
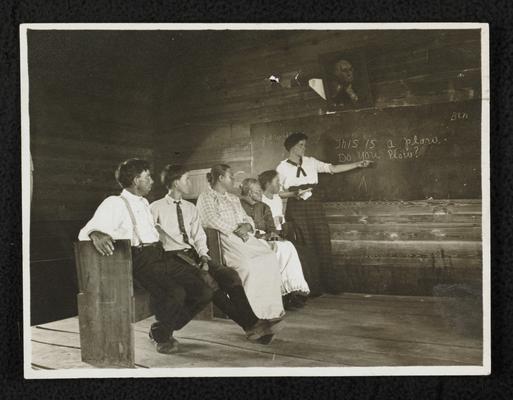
[[346, 81]]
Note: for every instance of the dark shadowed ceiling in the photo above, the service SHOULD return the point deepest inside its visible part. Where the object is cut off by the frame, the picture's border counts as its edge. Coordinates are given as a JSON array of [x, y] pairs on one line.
[[131, 62]]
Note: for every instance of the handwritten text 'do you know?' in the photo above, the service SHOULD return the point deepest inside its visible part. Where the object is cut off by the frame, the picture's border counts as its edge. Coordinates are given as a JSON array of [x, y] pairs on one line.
[[406, 148]]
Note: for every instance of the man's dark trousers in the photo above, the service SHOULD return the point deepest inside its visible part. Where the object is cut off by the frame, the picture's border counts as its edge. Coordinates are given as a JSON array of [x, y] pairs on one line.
[[228, 292], [177, 294]]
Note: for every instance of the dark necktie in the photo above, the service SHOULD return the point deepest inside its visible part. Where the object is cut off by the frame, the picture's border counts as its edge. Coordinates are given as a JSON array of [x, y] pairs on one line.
[[181, 224], [300, 169]]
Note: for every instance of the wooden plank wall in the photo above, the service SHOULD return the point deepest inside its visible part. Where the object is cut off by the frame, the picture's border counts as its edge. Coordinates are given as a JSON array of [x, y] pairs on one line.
[[399, 248], [406, 247], [91, 106], [225, 95], [189, 97]]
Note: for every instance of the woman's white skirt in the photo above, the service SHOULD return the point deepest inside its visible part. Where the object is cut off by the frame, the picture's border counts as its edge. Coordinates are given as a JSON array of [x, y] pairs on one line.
[[258, 268], [292, 278]]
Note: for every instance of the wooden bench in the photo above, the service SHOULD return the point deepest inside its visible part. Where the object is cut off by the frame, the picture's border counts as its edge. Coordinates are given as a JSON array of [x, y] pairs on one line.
[[110, 302]]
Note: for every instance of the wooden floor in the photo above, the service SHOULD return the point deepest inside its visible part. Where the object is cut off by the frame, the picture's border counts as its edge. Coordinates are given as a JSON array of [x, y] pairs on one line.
[[343, 330]]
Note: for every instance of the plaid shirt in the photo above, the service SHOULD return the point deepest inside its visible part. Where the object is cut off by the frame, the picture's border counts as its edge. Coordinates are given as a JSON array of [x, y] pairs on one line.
[[222, 212]]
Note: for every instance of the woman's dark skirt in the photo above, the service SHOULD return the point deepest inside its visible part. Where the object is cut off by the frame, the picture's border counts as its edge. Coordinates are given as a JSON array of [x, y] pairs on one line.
[[309, 231]]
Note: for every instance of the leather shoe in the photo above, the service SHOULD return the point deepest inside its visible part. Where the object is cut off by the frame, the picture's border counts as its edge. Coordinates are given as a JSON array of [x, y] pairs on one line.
[[258, 330], [168, 347], [267, 339]]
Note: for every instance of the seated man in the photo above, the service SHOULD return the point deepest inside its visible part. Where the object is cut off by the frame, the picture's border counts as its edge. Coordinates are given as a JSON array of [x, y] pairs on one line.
[[294, 288], [185, 242], [176, 293]]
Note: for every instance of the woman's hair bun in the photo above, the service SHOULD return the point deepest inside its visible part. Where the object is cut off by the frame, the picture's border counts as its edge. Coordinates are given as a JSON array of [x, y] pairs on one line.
[[215, 172]]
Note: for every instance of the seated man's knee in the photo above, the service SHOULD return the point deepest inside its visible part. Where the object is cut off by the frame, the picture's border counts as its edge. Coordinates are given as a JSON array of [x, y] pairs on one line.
[[226, 277], [177, 295], [231, 278], [205, 294]]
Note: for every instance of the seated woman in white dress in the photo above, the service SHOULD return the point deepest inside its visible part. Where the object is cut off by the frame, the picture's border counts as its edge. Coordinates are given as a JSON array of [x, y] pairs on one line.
[[252, 258], [270, 184], [294, 288]]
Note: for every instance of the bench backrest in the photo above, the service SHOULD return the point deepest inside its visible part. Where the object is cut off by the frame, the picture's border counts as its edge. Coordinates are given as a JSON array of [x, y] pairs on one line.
[[214, 245], [105, 304]]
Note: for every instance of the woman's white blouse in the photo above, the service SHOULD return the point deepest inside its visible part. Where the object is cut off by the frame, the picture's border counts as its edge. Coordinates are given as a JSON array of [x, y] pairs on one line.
[[276, 206], [288, 172]]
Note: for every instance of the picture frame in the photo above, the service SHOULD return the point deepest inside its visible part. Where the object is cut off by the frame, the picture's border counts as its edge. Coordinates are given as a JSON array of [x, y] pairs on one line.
[[346, 80]]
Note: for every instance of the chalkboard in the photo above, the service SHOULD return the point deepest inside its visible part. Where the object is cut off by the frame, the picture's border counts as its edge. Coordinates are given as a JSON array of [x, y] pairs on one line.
[[420, 152]]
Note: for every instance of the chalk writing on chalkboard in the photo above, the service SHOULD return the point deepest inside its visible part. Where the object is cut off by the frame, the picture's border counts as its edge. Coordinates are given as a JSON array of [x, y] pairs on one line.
[[429, 151], [274, 138], [374, 149], [459, 115]]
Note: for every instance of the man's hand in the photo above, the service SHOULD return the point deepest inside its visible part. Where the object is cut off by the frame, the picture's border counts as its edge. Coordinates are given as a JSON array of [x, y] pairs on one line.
[[204, 262], [103, 243]]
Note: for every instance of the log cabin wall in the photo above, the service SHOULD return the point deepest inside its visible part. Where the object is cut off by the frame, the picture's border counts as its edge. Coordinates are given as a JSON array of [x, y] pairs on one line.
[[225, 92], [97, 98], [91, 106], [410, 248]]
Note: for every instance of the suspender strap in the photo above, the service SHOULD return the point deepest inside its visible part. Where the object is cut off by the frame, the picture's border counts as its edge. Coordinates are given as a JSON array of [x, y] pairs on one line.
[[132, 217]]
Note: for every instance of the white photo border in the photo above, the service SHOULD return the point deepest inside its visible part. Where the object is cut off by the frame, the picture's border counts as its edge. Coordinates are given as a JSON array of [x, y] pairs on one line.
[[484, 369]]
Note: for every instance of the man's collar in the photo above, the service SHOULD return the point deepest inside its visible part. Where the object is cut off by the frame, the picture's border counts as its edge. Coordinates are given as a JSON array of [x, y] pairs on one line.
[[171, 200], [128, 195]]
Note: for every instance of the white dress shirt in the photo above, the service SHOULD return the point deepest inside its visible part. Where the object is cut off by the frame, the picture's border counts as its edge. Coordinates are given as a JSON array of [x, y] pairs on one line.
[[276, 206], [166, 219], [112, 217], [288, 172]]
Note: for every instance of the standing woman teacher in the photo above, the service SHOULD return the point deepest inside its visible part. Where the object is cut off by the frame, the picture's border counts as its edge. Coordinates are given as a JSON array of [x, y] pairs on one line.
[[298, 176]]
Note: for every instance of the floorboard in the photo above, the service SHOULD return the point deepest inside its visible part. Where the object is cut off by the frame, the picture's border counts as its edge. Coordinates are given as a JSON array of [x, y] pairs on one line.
[[342, 330]]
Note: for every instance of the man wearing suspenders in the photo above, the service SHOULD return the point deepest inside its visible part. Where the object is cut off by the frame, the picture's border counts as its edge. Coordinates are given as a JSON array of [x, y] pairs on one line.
[[177, 293]]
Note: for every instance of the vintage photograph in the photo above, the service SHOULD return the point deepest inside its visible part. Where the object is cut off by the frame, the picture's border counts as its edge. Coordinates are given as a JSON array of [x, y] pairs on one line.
[[255, 200], [346, 83]]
